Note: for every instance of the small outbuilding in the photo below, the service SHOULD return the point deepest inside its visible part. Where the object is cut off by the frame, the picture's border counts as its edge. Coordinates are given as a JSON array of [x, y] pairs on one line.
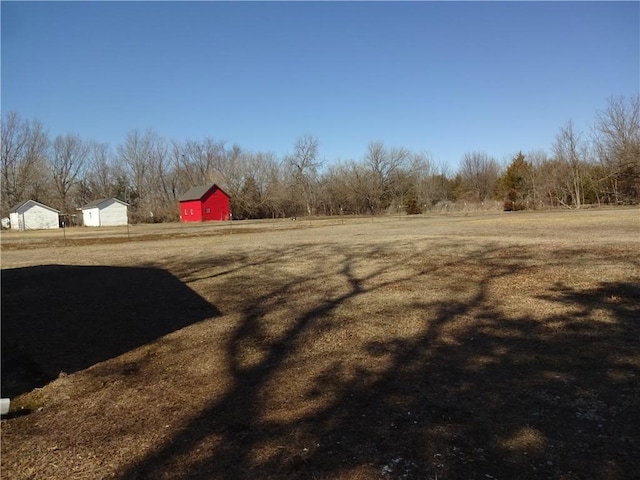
[[105, 212], [32, 215], [205, 202]]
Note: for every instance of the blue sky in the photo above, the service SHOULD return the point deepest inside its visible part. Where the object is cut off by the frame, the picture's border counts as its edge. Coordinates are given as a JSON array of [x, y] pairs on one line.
[[441, 77]]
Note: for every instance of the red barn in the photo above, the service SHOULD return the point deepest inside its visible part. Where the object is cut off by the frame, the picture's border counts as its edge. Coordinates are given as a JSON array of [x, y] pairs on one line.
[[206, 202]]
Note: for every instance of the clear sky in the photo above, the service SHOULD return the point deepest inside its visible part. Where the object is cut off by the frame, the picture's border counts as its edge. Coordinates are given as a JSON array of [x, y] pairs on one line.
[[441, 77]]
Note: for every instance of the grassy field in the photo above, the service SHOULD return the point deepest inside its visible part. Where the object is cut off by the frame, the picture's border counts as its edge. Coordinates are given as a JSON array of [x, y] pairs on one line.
[[489, 346]]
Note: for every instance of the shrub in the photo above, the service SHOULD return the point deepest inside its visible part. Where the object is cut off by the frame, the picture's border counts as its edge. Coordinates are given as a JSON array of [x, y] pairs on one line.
[[411, 206]]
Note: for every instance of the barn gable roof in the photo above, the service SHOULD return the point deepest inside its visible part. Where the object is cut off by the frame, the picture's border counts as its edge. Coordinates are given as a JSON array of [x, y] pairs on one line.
[[97, 203], [22, 204], [196, 193]]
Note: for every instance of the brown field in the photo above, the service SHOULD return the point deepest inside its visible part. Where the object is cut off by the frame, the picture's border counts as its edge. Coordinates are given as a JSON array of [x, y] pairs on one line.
[[495, 346]]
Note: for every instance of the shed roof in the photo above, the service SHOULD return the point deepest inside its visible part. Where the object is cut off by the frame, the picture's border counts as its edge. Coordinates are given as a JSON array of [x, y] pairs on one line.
[[196, 193], [22, 204], [97, 203]]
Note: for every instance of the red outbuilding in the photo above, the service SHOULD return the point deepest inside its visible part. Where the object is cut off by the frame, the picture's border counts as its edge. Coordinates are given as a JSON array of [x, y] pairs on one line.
[[206, 202]]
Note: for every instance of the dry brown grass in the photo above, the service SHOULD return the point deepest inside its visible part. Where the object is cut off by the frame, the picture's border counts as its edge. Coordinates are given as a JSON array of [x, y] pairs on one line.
[[487, 346]]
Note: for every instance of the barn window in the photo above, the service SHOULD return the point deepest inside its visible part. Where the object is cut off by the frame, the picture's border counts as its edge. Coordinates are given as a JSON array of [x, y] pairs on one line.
[[207, 210], [186, 211], [192, 211]]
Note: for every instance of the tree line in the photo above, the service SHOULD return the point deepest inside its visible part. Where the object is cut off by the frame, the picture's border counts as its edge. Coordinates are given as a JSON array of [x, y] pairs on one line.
[[150, 172]]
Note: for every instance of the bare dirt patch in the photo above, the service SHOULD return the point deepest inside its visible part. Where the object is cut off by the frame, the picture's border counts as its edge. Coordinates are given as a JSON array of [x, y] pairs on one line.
[[489, 346]]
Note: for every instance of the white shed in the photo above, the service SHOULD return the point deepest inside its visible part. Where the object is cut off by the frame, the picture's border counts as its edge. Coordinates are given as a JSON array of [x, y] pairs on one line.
[[106, 212], [32, 215]]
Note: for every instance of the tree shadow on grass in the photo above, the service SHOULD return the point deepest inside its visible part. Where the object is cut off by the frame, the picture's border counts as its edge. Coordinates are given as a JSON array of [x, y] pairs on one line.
[[64, 318], [475, 393]]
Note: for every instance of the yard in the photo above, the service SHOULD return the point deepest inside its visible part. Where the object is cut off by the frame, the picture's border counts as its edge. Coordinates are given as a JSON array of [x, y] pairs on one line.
[[487, 346]]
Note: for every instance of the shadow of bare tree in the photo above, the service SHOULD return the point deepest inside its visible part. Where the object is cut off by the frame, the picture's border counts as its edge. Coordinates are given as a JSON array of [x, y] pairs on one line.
[[419, 386]]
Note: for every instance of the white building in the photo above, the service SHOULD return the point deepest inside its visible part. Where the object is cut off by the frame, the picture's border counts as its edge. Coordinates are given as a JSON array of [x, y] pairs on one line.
[[32, 215], [106, 212]]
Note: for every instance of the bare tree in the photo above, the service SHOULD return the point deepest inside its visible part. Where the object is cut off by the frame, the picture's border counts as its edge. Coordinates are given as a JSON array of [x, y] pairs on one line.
[[234, 172], [365, 187], [135, 157], [377, 181], [263, 172], [145, 159], [479, 175], [162, 199], [569, 150], [200, 162], [535, 160], [22, 159], [100, 174], [67, 159], [303, 167], [386, 166], [426, 184], [552, 186], [616, 136], [339, 196]]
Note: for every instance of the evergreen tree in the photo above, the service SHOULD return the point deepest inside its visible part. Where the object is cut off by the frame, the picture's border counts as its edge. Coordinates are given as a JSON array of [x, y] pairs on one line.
[[515, 184], [411, 205]]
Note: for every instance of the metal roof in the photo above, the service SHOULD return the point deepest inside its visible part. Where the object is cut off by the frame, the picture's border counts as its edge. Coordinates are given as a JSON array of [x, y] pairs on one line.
[[21, 204], [196, 193], [96, 203]]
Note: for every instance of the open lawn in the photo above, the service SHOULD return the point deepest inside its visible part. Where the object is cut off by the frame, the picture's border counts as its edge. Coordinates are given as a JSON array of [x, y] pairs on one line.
[[489, 346]]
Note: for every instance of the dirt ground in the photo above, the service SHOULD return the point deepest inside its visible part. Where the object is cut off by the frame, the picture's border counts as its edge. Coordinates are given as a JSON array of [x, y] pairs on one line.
[[488, 346]]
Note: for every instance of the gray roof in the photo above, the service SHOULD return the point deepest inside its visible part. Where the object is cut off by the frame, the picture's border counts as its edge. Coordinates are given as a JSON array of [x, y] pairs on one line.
[[194, 193], [97, 203], [15, 209]]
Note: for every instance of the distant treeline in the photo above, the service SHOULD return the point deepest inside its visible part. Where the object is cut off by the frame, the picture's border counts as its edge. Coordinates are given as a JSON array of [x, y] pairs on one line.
[[150, 172]]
